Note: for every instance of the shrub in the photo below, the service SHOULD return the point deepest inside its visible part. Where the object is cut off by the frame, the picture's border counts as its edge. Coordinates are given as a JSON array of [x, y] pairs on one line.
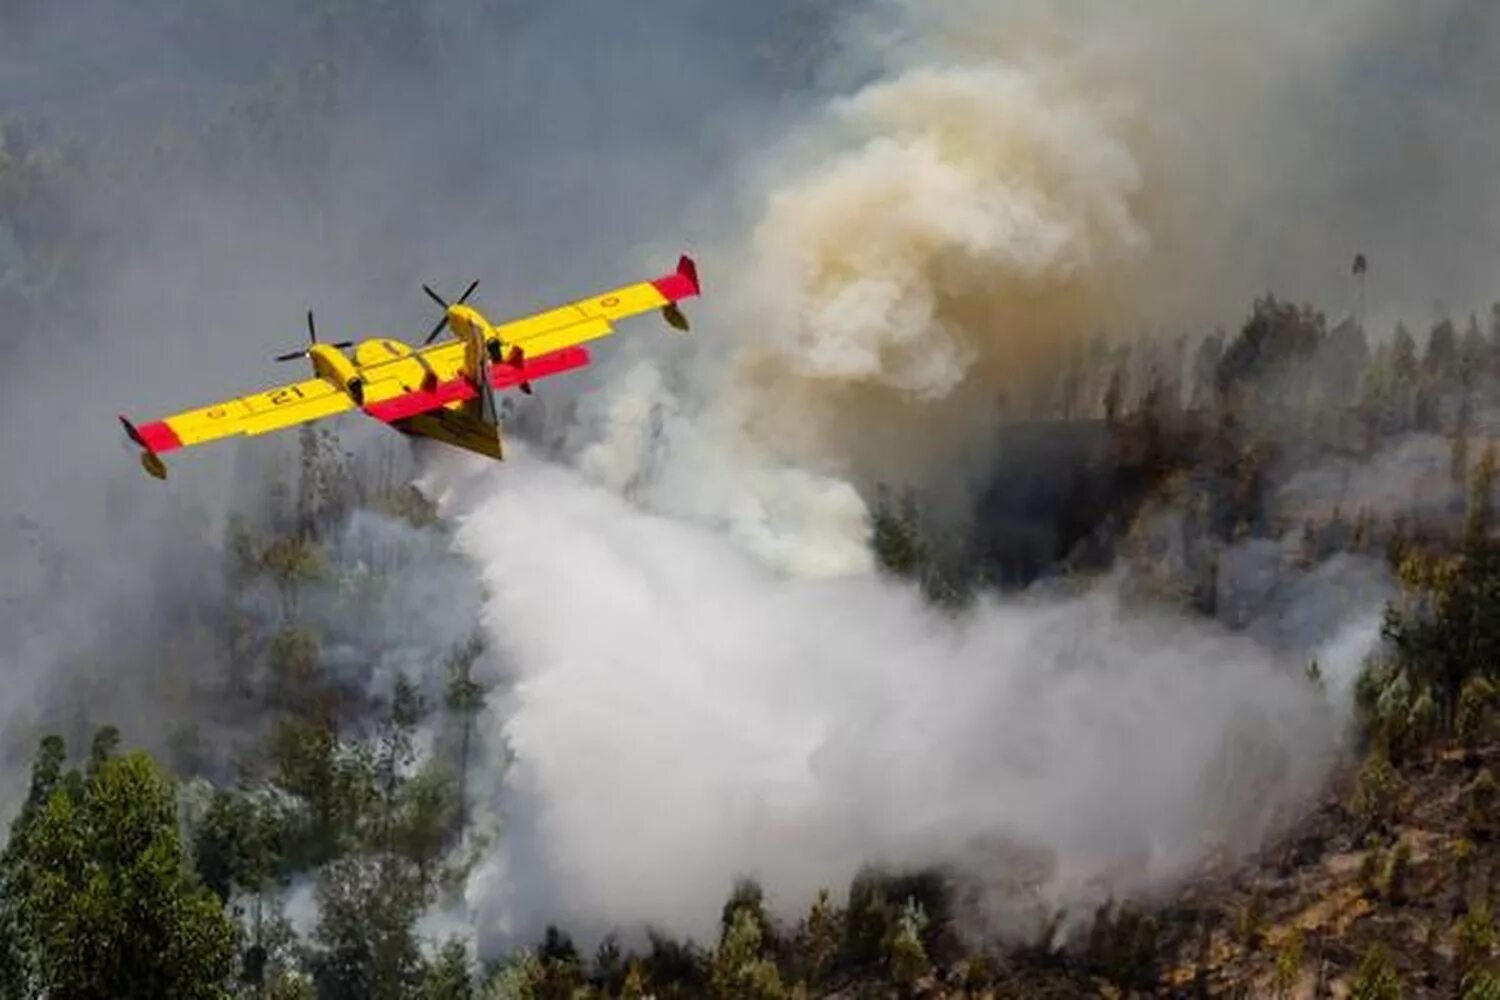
[[1122, 947], [1481, 986], [1289, 963], [1376, 978], [1252, 921], [1480, 805], [1369, 872], [1474, 939], [1377, 795], [1474, 704], [1396, 874]]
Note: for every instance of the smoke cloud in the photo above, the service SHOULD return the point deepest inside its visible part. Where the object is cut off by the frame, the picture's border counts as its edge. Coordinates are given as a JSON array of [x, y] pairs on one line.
[[1015, 179], [681, 715]]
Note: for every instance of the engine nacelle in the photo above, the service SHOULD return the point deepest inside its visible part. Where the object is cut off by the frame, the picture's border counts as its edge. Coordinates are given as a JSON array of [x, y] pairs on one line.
[[332, 364]]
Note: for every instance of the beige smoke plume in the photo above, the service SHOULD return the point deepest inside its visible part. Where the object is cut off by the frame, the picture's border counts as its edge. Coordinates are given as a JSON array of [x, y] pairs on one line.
[[1020, 177], [981, 227], [926, 246]]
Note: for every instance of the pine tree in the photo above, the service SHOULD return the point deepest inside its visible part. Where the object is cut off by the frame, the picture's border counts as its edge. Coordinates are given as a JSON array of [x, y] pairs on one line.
[[739, 970], [1480, 516], [464, 699], [1442, 350], [368, 907], [819, 939], [1458, 453], [448, 977], [634, 987], [896, 538], [908, 956], [1114, 397]]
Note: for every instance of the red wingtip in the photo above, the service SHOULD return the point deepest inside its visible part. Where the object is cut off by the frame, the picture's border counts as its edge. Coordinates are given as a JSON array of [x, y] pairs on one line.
[[158, 437], [681, 283]]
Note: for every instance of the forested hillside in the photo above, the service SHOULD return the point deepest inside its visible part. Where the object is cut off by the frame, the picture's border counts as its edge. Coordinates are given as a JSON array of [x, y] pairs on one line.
[[361, 791]]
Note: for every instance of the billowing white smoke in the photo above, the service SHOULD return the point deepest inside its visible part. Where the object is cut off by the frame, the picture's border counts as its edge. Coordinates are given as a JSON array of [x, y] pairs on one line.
[[717, 686], [681, 715]]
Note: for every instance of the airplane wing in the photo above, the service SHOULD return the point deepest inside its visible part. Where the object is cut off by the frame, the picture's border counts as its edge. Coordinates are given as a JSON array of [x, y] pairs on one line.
[[396, 389], [588, 319], [273, 409], [440, 381], [549, 343]]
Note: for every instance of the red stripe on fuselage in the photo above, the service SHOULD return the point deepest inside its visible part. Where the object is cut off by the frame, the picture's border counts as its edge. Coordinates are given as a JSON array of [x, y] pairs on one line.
[[420, 401], [501, 377], [158, 437]]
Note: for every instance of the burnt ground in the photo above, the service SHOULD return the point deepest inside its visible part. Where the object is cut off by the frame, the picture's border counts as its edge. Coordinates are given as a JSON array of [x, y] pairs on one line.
[[1301, 919]]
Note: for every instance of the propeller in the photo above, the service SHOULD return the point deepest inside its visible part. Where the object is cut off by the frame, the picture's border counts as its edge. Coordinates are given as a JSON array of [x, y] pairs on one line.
[[442, 323], [312, 339]]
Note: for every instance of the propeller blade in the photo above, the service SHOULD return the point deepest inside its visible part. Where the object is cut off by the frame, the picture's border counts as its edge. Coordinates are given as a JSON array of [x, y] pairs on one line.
[[312, 331], [443, 323], [292, 356]]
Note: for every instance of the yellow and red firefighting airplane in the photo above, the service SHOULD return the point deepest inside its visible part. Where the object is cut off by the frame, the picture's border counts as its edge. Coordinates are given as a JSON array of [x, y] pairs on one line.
[[443, 391]]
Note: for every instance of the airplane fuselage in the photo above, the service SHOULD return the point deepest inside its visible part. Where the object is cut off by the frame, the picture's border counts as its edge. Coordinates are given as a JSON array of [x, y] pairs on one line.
[[481, 348]]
